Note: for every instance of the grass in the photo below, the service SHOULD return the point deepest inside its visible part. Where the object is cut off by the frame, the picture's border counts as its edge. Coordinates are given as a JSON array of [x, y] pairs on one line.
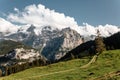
[[108, 61]]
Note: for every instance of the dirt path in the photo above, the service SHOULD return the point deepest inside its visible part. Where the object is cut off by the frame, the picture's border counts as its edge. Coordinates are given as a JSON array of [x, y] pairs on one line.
[[104, 77], [90, 62], [47, 74]]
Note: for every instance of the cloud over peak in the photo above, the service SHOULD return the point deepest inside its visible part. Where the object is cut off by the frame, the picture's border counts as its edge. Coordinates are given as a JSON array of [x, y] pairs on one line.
[[39, 15]]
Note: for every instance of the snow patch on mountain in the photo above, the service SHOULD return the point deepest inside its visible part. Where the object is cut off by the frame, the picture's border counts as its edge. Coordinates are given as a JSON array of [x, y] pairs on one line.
[[26, 54], [20, 53], [23, 28], [85, 30]]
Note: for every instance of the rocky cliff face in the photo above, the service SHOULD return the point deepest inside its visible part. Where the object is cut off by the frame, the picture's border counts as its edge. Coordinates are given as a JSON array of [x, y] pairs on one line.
[[59, 46]]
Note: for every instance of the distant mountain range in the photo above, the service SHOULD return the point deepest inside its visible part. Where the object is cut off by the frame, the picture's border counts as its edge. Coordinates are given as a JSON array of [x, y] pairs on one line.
[[52, 42]]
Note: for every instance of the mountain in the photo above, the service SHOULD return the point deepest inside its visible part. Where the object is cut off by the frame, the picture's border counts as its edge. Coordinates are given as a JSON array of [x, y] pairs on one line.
[[52, 42], [57, 47], [35, 46]]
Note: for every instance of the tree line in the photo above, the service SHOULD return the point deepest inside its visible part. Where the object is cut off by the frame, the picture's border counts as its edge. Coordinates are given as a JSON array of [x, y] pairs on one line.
[[7, 70]]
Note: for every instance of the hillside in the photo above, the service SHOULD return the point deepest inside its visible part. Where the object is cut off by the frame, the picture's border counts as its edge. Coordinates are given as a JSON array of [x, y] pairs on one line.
[[8, 45], [14, 53], [106, 68]]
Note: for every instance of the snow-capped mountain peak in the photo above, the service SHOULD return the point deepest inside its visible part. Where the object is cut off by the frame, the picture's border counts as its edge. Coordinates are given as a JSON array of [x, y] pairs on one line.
[[35, 29]]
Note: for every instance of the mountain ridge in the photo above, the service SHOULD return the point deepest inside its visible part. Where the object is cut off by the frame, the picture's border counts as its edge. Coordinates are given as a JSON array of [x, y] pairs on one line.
[[53, 40]]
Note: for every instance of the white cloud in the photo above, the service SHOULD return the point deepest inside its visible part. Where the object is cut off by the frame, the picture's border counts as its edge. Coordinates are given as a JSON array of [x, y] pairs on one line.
[[41, 16], [17, 10], [108, 29], [6, 26]]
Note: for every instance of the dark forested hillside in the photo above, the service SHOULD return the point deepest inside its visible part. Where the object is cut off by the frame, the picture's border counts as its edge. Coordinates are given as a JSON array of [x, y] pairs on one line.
[[113, 42], [88, 48], [82, 50]]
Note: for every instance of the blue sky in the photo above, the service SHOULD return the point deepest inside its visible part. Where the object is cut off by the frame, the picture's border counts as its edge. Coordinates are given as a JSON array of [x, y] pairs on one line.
[[93, 12]]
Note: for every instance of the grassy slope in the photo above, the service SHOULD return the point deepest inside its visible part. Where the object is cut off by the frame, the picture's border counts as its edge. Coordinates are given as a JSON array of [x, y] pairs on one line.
[[109, 61]]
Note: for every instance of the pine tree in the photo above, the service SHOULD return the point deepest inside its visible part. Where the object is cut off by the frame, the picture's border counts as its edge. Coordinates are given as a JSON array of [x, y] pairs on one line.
[[100, 46]]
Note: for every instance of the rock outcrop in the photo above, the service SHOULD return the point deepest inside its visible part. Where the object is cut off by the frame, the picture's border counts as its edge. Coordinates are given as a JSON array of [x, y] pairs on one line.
[[59, 46]]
